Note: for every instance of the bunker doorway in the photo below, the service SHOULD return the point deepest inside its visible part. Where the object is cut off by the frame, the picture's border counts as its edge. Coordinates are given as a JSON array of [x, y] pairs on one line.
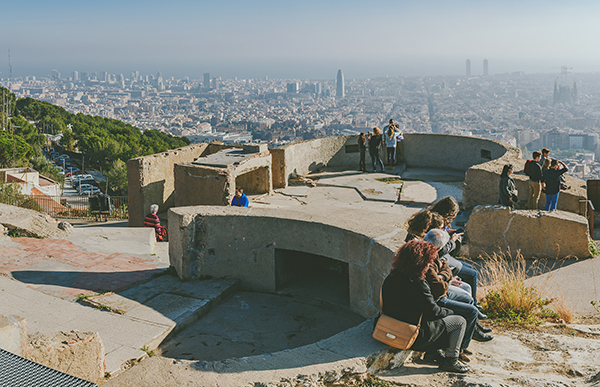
[[311, 275]]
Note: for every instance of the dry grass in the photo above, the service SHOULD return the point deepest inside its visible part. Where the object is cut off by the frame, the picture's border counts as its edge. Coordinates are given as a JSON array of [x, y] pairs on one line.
[[508, 298], [564, 310]]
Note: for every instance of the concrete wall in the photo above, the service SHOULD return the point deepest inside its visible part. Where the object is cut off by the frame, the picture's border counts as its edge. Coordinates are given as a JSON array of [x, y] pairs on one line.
[[419, 150], [536, 234], [152, 180], [482, 181], [230, 242], [449, 151], [201, 185], [308, 156]]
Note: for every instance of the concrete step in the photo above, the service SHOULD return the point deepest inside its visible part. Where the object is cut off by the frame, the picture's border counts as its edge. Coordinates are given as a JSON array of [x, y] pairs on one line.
[[164, 302]]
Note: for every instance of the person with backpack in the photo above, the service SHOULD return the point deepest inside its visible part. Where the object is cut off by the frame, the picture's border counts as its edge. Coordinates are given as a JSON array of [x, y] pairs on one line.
[[533, 169]]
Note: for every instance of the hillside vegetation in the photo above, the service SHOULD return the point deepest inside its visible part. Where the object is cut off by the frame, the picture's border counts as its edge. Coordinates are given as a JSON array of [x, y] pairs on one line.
[[105, 143]]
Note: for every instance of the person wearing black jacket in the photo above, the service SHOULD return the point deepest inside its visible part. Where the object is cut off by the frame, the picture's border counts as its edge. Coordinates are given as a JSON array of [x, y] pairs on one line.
[[375, 142], [552, 177], [362, 148], [507, 190], [534, 171], [406, 296]]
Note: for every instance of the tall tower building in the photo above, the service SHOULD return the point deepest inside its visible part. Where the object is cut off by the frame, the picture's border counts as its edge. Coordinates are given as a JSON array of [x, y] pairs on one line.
[[341, 90], [207, 80], [485, 68], [468, 68], [75, 76]]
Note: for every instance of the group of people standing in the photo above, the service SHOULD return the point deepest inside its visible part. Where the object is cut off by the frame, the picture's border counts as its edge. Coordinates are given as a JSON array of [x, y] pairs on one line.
[[390, 138], [429, 284], [545, 175]]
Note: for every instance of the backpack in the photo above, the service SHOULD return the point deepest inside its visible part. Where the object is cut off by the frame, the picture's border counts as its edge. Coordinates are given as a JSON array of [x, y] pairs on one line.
[[526, 167]]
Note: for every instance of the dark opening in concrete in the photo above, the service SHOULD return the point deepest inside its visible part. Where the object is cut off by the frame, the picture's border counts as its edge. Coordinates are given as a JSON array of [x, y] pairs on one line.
[[311, 275], [255, 181]]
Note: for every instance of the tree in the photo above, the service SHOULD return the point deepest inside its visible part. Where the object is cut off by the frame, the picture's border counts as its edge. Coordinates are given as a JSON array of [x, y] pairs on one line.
[[14, 150], [117, 178]]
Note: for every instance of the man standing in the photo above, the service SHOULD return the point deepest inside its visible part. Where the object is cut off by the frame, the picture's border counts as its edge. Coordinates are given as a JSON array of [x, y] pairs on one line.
[[534, 171], [545, 155], [240, 199]]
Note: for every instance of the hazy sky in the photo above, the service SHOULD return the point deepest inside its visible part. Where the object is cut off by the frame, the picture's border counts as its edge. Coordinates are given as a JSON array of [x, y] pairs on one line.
[[299, 38]]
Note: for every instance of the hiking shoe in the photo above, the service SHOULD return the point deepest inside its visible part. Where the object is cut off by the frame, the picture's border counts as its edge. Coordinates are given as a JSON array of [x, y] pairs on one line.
[[451, 364], [480, 336], [434, 357], [483, 329]]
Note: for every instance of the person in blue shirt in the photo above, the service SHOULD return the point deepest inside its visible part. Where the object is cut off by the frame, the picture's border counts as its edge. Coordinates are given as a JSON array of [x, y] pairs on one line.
[[240, 199]]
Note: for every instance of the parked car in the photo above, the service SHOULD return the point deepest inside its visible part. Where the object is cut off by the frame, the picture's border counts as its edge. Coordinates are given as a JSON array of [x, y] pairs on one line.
[[89, 191], [83, 187], [78, 183], [71, 171], [78, 177]]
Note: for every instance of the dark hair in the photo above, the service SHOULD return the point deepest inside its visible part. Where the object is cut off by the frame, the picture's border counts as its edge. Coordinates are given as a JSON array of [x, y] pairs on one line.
[[505, 170], [553, 163], [419, 223], [536, 154], [545, 150], [412, 259], [437, 221], [447, 207]]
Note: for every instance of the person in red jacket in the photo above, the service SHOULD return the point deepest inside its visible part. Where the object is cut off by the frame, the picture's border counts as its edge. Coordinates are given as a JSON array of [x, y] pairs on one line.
[[152, 221]]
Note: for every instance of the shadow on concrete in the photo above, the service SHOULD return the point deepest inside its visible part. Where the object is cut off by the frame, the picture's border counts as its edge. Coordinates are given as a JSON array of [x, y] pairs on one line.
[[86, 281]]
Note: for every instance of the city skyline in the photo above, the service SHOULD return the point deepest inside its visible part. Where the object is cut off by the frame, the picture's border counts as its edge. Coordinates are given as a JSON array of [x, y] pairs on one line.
[[308, 40]]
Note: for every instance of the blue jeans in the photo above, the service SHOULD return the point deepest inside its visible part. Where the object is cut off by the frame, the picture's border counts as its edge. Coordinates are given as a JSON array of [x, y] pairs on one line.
[[469, 275], [551, 201], [468, 311], [376, 159], [391, 155]]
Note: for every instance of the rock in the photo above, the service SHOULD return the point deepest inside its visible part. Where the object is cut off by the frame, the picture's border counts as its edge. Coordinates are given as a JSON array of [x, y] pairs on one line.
[[76, 353], [31, 223], [65, 226], [13, 335], [541, 234]]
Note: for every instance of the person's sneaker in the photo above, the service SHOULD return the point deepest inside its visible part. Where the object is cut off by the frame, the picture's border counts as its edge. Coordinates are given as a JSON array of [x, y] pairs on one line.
[[480, 336], [481, 316], [463, 357], [451, 364], [483, 329], [434, 357]]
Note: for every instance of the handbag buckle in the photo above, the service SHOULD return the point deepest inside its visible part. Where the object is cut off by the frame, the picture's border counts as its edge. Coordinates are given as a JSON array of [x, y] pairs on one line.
[[389, 335]]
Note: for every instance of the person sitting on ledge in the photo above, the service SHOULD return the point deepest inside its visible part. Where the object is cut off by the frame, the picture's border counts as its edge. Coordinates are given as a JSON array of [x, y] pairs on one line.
[[418, 225], [240, 199], [151, 220], [406, 296]]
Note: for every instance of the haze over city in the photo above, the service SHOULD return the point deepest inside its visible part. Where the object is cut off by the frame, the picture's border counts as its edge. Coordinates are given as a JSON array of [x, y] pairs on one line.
[[308, 39]]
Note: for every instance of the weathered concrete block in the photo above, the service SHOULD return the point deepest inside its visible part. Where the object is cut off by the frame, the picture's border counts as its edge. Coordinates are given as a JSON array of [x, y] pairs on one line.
[[552, 235], [32, 222], [13, 335], [76, 353]]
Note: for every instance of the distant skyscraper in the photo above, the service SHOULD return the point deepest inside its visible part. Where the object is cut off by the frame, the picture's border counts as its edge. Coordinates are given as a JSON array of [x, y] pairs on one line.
[[468, 68], [485, 68], [207, 80], [75, 76], [341, 91]]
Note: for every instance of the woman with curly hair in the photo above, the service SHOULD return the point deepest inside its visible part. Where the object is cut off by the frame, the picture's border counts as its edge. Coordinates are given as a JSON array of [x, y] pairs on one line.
[[407, 297]]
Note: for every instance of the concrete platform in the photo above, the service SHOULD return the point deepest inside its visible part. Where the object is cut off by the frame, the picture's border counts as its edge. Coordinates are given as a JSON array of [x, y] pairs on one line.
[[124, 335]]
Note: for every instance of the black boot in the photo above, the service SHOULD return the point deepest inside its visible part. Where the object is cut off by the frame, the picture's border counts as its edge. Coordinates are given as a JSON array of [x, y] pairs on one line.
[[451, 364], [481, 336], [482, 328], [434, 356]]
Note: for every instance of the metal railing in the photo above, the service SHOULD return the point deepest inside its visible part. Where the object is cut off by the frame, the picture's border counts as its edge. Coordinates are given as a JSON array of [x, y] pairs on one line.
[[75, 207]]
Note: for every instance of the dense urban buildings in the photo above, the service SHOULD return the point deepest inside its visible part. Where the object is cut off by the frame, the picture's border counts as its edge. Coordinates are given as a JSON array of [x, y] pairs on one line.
[[560, 111]]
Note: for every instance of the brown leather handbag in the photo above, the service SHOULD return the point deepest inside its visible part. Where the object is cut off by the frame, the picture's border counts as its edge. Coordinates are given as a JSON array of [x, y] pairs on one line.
[[395, 333]]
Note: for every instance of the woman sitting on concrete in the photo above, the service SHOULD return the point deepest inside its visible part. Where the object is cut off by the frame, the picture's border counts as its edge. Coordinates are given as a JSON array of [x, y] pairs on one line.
[[407, 297], [418, 225], [448, 206], [507, 191]]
